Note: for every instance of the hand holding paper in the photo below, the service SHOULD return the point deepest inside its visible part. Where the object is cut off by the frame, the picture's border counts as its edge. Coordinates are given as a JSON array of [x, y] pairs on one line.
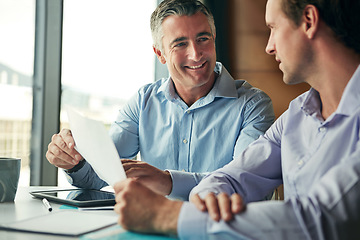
[[95, 145]]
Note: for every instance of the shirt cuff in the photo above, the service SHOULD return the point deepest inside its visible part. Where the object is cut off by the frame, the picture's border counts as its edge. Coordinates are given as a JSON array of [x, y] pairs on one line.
[[182, 183], [75, 178], [192, 222]]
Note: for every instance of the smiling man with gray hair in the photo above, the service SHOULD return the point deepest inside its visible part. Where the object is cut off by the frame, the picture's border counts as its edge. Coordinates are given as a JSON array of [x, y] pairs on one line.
[[184, 126]]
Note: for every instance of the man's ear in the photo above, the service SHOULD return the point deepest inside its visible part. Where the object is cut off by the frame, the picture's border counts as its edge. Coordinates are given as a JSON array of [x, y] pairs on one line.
[[159, 55], [311, 20]]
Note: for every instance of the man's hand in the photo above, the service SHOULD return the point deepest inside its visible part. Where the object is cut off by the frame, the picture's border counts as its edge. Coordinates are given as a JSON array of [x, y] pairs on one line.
[[61, 152], [143, 210], [221, 206], [157, 180]]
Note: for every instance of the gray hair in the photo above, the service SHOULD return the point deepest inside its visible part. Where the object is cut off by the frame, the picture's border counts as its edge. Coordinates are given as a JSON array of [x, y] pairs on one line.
[[176, 8]]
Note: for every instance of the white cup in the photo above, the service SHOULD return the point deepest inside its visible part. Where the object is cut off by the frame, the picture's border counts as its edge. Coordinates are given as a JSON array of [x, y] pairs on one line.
[[9, 178]]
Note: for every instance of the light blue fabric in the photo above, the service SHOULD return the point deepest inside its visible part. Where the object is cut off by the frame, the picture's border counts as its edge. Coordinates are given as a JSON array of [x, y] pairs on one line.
[[189, 141], [317, 161]]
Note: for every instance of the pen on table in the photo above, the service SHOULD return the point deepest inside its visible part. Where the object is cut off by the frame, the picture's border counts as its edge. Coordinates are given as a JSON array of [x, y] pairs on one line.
[[47, 204]]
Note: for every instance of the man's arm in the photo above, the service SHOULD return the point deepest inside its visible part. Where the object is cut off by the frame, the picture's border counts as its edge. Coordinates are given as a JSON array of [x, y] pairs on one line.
[[329, 211], [258, 115], [255, 173], [86, 177], [125, 130]]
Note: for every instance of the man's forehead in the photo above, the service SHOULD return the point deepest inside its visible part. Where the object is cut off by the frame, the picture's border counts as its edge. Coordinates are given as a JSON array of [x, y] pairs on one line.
[[178, 25], [174, 18], [272, 9]]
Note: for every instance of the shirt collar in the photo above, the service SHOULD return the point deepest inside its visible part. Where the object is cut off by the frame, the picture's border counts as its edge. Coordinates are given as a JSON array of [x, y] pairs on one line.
[[351, 97], [347, 105], [312, 103], [224, 86]]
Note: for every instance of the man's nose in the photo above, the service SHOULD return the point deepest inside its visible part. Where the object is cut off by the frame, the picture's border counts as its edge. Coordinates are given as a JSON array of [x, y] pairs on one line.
[[270, 47], [194, 52]]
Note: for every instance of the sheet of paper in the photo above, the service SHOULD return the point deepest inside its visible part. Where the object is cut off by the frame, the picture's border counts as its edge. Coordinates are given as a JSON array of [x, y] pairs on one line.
[[93, 142], [65, 223]]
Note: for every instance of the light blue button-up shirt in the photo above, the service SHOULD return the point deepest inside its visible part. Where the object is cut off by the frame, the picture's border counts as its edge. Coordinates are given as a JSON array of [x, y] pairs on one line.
[[317, 161], [189, 141]]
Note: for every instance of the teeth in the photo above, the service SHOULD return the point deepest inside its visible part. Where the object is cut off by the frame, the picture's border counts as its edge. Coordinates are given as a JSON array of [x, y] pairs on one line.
[[195, 67]]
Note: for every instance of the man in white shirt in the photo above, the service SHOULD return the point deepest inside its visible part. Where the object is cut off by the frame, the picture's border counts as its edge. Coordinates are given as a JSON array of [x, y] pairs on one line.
[[313, 148]]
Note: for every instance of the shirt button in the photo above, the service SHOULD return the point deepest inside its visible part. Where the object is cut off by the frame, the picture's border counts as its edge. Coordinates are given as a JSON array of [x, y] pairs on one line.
[[301, 162], [188, 111], [322, 129], [185, 141]]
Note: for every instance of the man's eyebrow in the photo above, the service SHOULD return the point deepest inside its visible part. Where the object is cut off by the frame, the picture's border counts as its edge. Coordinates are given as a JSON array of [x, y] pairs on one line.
[[204, 34]]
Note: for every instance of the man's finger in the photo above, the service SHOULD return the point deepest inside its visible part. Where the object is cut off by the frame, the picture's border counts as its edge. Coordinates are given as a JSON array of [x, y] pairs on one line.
[[199, 203], [66, 135], [65, 142], [225, 207], [118, 187], [237, 204], [212, 206], [59, 156], [129, 161]]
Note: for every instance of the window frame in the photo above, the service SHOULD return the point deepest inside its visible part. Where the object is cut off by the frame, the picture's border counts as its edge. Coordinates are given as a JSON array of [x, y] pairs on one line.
[[46, 89]]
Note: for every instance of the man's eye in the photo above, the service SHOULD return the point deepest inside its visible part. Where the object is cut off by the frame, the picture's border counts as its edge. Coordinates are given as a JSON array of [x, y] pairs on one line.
[[203, 39], [180, 44]]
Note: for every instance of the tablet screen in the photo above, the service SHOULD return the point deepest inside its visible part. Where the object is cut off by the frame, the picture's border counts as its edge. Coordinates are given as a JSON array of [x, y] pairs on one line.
[[78, 197]]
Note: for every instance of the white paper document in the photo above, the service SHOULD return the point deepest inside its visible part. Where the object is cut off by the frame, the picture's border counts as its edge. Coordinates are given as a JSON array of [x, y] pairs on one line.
[[93, 142], [64, 223]]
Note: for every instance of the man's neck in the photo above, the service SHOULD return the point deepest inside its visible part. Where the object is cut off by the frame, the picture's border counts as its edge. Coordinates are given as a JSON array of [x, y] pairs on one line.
[[191, 94], [332, 78]]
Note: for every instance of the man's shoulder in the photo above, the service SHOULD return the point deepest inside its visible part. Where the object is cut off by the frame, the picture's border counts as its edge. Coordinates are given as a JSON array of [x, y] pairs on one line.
[[153, 87], [246, 90]]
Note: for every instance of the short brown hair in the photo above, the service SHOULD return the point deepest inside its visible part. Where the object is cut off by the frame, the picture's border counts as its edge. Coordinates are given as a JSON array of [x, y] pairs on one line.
[[342, 16]]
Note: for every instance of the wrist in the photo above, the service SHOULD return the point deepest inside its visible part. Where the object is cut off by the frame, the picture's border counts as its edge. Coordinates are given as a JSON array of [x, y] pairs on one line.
[[76, 167], [166, 219]]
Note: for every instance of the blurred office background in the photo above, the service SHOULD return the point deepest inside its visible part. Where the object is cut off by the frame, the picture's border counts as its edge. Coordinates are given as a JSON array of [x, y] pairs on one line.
[[94, 55]]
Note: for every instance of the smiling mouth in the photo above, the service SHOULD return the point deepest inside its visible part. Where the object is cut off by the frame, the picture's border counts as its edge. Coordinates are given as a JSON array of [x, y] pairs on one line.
[[196, 67]]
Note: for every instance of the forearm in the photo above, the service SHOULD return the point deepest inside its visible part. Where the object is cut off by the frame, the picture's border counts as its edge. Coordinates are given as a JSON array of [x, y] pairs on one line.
[[252, 178], [86, 177], [166, 220], [264, 220], [329, 210]]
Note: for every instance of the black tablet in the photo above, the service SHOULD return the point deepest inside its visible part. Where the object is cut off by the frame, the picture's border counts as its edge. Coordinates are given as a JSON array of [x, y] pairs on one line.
[[78, 197]]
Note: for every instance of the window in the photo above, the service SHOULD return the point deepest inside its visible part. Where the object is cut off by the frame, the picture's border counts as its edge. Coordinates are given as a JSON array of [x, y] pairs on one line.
[[106, 56], [17, 28]]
